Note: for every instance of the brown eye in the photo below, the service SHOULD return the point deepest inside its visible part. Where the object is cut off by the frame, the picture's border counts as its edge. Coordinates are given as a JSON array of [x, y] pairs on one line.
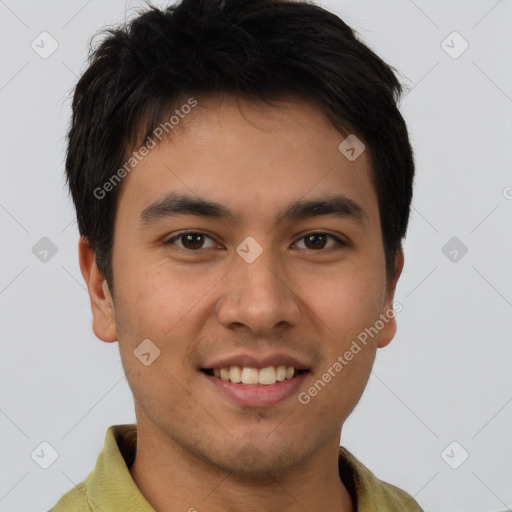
[[318, 241], [190, 240], [194, 241]]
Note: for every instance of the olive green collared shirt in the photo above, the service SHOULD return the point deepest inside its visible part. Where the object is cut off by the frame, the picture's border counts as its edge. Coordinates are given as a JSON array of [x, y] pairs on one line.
[[110, 487]]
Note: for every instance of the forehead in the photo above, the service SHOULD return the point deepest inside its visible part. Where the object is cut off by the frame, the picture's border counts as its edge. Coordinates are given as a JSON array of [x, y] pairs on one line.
[[251, 156]]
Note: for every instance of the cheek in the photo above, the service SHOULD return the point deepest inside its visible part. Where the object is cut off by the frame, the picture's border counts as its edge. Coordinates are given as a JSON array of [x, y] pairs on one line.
[[347, 301], [344, 307], [157, 304], [338, 386], [155, 296], [163, 303]]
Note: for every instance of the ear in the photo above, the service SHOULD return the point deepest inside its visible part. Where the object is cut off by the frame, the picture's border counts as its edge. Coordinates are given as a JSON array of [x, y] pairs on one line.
[[102, 305], [389, 330]]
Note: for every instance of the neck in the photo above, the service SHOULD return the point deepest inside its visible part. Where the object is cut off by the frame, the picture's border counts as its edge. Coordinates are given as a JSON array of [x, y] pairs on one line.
[[171, 478]]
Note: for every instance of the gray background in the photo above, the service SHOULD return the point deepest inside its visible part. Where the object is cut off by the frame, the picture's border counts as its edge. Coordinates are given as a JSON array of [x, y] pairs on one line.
[[446, 377]]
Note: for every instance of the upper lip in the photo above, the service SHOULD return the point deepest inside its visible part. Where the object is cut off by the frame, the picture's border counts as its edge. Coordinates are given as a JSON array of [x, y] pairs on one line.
[[257, 361]]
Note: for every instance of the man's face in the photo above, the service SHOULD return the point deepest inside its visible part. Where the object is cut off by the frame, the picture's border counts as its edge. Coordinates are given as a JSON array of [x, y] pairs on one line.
[[209, 300]]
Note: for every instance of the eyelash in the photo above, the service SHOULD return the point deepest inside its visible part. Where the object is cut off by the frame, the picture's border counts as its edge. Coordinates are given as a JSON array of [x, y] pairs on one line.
[[170, 241]]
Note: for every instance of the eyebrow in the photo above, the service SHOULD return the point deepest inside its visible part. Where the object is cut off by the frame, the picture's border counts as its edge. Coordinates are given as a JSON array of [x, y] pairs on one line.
[[174, 204]]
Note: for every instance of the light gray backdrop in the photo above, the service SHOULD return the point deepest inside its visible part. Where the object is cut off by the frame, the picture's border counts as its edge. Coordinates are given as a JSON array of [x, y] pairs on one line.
[[436, 417]]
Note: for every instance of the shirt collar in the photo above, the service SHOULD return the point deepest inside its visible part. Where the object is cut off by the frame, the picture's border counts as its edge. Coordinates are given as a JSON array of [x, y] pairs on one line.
[[110, 487]]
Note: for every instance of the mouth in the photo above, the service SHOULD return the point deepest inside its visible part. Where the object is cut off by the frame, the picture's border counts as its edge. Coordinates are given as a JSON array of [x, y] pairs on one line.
[[251, 376], [254, 387]]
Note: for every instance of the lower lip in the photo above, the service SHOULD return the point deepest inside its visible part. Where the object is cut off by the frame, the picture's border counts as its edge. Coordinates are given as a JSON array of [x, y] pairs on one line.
[[248, 395]]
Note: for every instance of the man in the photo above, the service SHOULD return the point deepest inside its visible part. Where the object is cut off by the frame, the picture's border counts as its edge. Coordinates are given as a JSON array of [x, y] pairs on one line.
[[242, 179]]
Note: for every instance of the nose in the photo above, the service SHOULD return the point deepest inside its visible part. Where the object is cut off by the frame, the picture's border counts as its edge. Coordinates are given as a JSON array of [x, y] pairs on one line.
[[258, 295]]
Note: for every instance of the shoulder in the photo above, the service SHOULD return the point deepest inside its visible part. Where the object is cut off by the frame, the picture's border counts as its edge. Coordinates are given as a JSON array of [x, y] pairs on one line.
[[74, 500], [370, 492], [396, 499]]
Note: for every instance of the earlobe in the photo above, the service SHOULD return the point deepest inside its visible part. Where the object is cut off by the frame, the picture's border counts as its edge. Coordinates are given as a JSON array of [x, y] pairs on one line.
[[388, 314], [102, 305]]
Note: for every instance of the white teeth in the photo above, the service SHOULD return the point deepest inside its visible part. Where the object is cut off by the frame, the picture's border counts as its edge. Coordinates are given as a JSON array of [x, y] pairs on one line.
[[280, 373], [250, 376], [253, 376], [235, 374], [267, 375]]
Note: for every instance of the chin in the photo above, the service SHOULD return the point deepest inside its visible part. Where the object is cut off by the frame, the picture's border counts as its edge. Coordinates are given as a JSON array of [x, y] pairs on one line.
[[250, 463]]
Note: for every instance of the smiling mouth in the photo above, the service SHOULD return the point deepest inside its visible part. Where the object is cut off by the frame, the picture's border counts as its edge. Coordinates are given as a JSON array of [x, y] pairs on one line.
[[255, 376]]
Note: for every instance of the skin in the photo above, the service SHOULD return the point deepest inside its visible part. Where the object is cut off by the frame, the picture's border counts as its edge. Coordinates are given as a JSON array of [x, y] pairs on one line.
[[197, 448]]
